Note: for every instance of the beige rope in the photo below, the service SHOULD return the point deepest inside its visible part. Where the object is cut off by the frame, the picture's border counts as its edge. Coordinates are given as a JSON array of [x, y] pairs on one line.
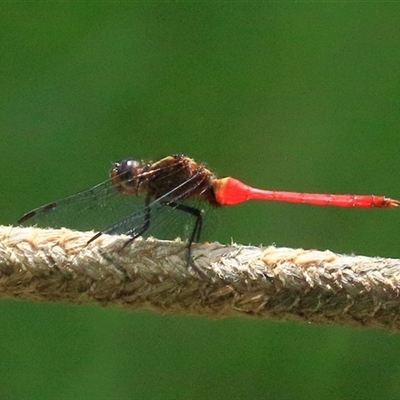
[[234, 280]]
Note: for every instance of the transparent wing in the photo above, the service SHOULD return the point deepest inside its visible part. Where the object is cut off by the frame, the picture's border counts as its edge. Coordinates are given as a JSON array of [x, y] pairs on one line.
[[167, 217], [164, 221], [104, 208], [94, 209]]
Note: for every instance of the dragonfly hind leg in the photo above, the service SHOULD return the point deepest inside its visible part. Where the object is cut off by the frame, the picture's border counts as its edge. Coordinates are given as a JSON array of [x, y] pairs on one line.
[[195, 235]]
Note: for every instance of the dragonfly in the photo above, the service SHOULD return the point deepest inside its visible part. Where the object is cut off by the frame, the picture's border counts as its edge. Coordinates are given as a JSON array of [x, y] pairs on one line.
[[140, 196]]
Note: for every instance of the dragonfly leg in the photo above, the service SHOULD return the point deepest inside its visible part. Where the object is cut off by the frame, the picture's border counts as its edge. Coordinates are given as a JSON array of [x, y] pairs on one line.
[[195, 235], [134, 233]]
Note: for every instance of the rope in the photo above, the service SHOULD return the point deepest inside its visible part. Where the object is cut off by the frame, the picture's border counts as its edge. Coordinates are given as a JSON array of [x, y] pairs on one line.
[[221, 281]]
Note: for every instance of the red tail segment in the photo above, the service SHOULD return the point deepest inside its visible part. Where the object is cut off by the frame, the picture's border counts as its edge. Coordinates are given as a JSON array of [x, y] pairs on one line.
[[229, 191]]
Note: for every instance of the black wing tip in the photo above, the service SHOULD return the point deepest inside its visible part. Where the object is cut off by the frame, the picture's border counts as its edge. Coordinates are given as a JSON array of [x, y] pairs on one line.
[[26, 216], [30, 214], [98, 234]]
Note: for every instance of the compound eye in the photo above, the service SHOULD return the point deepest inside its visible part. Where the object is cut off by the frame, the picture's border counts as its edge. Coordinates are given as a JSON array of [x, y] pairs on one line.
[[127, 169]]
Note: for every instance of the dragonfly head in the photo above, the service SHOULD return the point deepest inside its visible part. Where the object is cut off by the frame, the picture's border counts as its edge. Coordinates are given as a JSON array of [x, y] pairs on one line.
[[123, 175]]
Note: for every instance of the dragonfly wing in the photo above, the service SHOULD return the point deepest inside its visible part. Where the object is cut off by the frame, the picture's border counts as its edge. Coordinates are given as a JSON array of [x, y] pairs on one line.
[[105, 208], [92, 209]]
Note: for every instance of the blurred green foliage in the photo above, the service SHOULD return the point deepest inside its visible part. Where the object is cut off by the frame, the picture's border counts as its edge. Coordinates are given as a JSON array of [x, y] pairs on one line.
[[285, 95]]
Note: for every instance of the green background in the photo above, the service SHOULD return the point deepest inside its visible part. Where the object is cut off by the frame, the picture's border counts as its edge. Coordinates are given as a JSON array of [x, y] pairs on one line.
[[284, 95]]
